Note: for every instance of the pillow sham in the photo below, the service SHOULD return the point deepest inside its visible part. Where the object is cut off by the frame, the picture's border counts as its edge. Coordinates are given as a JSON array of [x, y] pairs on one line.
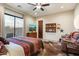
[[3, 50], [4, 41]]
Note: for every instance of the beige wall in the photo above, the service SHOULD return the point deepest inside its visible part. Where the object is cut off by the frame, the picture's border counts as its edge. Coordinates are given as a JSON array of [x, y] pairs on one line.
[[28, 20], [65, 19], [76, 10], [76, 17], [1, 19]]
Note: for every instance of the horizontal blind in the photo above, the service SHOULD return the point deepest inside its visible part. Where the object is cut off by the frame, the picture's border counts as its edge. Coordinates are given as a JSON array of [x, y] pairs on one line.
[[13, 13]]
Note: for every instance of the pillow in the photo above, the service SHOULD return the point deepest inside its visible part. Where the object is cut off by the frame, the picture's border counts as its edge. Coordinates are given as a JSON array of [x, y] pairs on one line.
[[3, 50], [1, 44], [75, 35], [4, 41]]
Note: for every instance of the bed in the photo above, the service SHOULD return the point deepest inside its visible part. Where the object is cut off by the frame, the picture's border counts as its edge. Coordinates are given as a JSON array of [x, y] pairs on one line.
[[23, 46]]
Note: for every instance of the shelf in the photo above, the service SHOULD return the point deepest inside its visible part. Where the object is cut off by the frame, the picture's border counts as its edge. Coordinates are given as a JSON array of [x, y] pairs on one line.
[[51, 27]]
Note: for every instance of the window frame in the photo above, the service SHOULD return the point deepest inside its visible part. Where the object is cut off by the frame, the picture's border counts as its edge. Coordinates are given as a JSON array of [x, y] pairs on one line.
[[14, 21]]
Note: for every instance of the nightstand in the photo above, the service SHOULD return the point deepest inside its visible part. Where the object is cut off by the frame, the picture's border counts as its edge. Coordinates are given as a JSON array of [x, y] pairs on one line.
[[33, 35]]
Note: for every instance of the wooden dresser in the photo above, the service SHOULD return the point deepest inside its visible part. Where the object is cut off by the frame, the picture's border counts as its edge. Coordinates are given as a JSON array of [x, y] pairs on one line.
[[34, 35]]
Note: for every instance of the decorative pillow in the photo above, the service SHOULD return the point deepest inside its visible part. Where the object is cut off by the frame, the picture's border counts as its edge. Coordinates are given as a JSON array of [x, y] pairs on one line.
[[1, 44], [75, 35], [3, 50], [4, 41]]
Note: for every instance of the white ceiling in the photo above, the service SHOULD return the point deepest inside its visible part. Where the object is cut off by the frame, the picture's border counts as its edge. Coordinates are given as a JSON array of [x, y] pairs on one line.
[[53, 8]]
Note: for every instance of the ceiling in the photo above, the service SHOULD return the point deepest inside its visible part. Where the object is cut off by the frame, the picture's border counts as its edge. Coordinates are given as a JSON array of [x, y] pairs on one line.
[[53, 8]]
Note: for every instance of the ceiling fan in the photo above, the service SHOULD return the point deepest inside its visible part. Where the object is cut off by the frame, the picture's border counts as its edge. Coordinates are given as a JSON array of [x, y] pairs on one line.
[[39, 6]]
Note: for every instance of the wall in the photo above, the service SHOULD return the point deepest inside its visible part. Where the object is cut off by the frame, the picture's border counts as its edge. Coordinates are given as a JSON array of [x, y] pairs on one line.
[[1, 19], [65, 19], [76, 17], [28, 20]]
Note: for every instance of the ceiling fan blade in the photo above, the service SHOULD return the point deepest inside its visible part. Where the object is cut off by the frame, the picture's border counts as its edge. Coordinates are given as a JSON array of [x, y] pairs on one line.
[[45, 4], [42, 9], [34, 8], [31, 4]]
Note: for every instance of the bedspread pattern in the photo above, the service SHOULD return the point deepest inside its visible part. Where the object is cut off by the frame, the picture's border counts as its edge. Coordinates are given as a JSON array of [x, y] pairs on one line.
[[30, 45]]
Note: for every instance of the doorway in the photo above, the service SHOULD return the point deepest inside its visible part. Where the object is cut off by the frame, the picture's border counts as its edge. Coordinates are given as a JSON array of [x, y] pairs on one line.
[[40, 29]]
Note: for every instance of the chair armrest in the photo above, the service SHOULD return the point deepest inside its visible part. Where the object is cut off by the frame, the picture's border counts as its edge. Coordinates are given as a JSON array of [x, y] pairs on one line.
[[68, 41], [70, 44]]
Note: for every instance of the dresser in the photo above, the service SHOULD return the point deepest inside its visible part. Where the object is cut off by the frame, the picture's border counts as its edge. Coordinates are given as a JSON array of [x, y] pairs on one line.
[[33, 35]]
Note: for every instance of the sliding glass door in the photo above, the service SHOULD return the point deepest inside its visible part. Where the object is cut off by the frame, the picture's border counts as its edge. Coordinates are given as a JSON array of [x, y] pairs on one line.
[[19, 27], [14, 26], [9, 26]]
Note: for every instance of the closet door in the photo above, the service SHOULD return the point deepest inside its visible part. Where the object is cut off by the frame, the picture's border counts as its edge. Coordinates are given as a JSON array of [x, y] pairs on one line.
[[9, 26], [19, 27]]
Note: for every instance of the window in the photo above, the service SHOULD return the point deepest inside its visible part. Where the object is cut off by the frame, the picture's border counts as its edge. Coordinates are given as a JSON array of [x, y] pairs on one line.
[[19, 24], [9, 26], [14, 26], [9, 21]]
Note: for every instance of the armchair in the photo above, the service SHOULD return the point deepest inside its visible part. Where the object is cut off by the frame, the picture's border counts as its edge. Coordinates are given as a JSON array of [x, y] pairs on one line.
[[70, 43]]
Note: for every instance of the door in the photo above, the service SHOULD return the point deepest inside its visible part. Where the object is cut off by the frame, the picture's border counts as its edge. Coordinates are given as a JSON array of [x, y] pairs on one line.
[[13, 26], [19, 27], [40, 29], [9, 26]]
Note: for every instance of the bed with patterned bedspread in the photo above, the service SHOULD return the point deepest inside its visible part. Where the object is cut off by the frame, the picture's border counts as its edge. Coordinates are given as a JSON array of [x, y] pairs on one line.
[[24, 46]]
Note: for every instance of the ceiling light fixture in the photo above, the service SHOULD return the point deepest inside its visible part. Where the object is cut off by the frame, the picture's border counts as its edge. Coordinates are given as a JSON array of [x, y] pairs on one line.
[[38, 6]]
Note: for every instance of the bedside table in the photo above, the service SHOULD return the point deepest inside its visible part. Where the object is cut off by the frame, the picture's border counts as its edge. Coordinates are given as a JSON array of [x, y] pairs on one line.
[[33, 35]]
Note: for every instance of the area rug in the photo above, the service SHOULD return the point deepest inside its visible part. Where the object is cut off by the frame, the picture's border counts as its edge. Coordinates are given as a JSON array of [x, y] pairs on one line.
[[51, 49]]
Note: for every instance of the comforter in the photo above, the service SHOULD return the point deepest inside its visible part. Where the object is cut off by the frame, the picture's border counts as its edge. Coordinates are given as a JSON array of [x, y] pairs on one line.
[[29, 45], [14, 50]]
